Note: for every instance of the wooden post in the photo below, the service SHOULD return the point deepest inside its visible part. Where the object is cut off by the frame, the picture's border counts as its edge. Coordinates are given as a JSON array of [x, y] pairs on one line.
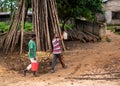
[[22, 28]]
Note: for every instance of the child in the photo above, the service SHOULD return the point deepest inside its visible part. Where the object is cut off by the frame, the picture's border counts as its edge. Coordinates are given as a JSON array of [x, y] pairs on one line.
[[31, 53], [57, 52]]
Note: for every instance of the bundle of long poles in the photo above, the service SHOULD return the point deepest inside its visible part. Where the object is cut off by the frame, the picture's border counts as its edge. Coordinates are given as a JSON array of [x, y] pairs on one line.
[[12, 35], [45, 22]]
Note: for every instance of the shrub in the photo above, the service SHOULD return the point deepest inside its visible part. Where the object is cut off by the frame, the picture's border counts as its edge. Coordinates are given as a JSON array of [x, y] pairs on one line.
[[68, 26], [4, 26], [28, 26], [108, 39]]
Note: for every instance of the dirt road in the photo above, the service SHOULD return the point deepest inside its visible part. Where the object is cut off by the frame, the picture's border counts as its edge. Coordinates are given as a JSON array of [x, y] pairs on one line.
[[82, 59]]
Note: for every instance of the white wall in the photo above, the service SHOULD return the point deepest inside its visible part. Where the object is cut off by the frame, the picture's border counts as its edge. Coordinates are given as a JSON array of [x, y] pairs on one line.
[[109, 7], [108, 16]]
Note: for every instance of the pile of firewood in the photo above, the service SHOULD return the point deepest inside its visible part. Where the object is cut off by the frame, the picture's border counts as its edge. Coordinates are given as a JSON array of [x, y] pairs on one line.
[[74, 34]]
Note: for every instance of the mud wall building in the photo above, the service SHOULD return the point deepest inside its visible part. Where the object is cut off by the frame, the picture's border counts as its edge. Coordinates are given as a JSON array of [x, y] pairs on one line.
[[112, 11]]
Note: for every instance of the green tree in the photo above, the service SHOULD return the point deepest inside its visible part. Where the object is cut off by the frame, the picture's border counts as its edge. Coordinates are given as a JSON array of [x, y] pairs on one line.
[[78, 8], [7, 5]]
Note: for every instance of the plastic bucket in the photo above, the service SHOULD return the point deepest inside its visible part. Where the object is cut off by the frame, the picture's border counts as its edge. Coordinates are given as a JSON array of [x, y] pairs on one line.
[[34, 66]]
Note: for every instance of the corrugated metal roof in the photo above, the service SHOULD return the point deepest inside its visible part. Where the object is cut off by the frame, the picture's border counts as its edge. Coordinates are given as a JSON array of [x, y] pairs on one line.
[[105, 0], [8, 13], [4, 13]]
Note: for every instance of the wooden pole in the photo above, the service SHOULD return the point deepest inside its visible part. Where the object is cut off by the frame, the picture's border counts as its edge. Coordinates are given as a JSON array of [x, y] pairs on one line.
[[22, 28]]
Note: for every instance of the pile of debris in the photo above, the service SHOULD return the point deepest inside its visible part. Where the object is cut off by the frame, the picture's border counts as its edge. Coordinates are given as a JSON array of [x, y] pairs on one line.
[[74, 34], [45, 61], [19, 63]]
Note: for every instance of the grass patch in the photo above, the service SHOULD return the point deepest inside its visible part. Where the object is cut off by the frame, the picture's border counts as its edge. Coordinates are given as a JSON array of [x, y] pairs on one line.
[[112, 28]]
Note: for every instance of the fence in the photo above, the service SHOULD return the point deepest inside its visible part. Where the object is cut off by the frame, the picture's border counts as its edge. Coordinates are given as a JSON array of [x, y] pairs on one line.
[[98, 29]]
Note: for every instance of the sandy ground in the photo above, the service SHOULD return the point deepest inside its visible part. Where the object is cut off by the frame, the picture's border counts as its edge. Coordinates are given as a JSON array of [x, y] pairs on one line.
[[89, 58]]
